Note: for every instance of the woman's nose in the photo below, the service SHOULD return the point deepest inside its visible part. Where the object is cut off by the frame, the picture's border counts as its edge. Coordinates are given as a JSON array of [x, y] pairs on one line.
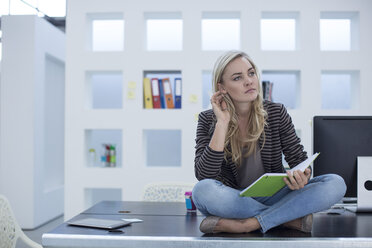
[[248, 81]]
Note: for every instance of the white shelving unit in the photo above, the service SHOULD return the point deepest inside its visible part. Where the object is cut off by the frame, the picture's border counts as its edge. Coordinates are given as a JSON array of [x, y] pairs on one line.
[[133, 60]]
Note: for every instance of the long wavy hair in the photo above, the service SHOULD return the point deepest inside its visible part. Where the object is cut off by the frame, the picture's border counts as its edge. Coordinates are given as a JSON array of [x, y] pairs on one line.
[[234, 142]]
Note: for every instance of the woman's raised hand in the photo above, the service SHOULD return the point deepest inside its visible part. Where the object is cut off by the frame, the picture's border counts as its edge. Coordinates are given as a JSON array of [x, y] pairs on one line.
[[219, 107]]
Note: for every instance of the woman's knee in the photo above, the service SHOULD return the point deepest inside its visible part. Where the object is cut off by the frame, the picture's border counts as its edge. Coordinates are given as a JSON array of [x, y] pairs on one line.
[[337, 185], [202, 188]]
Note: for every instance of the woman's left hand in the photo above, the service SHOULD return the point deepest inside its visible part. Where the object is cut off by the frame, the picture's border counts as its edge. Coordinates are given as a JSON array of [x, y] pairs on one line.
[[298, 180]]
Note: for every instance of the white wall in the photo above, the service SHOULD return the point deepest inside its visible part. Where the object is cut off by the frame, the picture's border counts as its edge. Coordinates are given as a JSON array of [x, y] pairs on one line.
[[32, 119], [132, 119]]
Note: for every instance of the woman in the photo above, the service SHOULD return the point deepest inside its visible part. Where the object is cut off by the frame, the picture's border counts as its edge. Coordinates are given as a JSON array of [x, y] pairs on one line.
[[240, 139]]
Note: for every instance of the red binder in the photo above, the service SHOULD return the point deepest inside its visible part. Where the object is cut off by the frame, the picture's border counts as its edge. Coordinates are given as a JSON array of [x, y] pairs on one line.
[[155, 93]]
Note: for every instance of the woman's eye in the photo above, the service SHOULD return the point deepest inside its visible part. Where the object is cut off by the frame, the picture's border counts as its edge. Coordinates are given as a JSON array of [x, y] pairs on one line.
[[236, 78], [251, 73]]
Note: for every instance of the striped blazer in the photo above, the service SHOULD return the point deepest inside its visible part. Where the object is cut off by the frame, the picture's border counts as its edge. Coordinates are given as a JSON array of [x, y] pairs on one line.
[[280, 137]]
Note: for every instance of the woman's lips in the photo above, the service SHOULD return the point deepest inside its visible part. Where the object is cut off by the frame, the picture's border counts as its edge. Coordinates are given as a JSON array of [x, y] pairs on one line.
[[250, 91]]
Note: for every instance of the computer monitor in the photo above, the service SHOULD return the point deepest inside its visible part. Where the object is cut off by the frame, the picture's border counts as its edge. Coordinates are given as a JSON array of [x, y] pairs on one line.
[[340, 140]]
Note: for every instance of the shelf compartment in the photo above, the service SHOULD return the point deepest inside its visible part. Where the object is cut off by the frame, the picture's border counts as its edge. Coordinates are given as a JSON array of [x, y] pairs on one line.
[[214, 24], [95, 148], [340, 89], [164, 31], [172, 76], [162, 148], [279, 31], [104, 90], [286, 87], [105, 32], [339, 31]]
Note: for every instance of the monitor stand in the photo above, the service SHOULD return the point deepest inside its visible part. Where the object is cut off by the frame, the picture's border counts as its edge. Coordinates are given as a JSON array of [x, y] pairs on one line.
[[349, 200], [364, 189]]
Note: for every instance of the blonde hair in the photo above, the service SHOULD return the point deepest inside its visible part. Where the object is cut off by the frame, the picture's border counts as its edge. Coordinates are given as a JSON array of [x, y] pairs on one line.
[[256, 117]]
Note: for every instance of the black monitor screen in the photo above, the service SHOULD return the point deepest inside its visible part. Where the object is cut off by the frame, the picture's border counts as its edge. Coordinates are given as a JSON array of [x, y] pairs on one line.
[[340, 140]]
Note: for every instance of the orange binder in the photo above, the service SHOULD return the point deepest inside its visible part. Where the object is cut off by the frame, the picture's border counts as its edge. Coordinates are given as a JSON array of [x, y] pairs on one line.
[[168, 93]]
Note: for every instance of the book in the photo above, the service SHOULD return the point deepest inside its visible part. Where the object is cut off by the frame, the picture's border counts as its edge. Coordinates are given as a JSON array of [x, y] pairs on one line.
[[178, 93], [155, 93], [161, 94], [270, 183], [168, 96], [147, 96], [267, 88]]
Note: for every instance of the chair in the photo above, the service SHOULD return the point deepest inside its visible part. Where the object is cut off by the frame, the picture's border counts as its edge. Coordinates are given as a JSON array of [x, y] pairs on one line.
[[9, 228], [166, 192]]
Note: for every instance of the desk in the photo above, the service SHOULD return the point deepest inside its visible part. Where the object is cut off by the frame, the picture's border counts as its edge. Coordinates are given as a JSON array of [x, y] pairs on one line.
[[170, 225]]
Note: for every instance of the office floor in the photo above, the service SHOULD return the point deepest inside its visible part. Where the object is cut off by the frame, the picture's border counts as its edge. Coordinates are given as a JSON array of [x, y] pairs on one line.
[[36, 234]]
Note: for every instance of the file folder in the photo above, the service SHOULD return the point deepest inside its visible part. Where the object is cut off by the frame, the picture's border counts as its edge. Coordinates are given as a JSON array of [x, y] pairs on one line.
[[161, 94], [155, 93], [178, 93], [147, 96], [168, 96]]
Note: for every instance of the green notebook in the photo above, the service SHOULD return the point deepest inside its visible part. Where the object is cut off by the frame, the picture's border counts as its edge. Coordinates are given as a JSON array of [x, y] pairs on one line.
[[270, 183]]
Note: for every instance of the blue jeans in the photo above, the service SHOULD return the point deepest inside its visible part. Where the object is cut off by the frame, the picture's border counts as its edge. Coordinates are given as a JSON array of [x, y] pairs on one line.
[[212, 197]]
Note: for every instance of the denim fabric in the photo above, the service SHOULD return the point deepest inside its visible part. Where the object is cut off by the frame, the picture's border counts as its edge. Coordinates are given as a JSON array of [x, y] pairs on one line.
[[212, 197]]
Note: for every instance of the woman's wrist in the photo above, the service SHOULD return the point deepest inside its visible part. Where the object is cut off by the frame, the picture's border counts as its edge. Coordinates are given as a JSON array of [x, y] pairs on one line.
[[222, 124]]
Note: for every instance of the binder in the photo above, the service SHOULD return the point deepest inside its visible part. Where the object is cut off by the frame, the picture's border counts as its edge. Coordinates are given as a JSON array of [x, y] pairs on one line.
[[168, 96], [147, 96], [155, 93], [161, 94], [178, 93]]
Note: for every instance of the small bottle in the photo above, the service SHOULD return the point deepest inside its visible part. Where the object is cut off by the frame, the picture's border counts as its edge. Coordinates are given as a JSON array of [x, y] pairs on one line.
[[190, 206], [103, 160], [107, 154], [112, 156], [92, 157]]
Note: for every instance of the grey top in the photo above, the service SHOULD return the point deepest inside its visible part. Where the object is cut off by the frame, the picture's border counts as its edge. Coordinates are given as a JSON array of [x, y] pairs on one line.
[[250, 169]]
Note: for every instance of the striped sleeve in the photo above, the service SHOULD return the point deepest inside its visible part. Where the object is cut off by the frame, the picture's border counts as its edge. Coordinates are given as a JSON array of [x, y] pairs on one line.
[[291, 145], [207, 161]]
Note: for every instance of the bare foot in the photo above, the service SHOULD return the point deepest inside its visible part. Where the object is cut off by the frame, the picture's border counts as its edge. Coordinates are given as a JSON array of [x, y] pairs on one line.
[[237, 225]]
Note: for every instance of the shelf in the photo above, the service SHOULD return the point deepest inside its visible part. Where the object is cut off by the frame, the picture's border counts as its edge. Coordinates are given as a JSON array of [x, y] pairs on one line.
[[162, 148], [213, 24], [104, 90], [339, 31], [340, 89], [286, 87], [164, 31], [97, 154], [279, 31], [156, 87], [105, 32]]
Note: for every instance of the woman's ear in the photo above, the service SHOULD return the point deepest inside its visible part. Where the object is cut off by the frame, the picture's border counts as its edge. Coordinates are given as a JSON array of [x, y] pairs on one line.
[[222, 88]]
